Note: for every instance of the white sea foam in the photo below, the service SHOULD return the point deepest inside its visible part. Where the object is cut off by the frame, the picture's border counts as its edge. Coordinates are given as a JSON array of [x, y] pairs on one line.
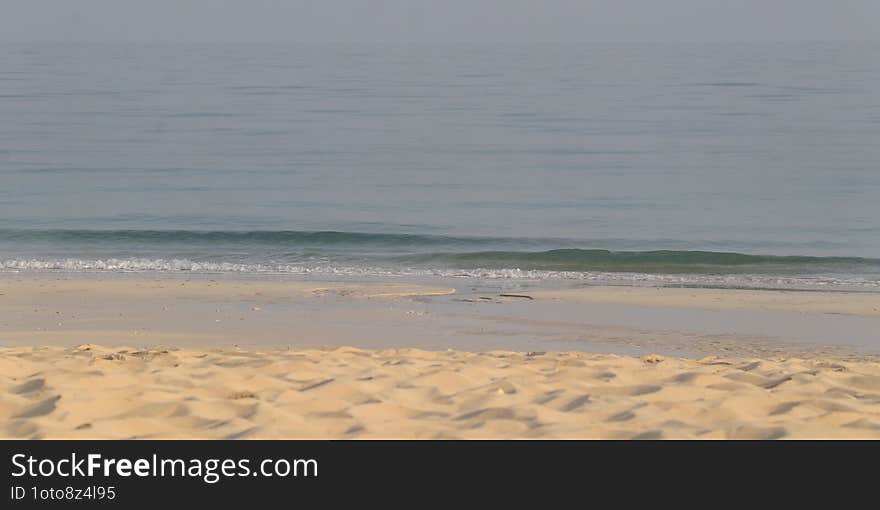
[[140, 265]]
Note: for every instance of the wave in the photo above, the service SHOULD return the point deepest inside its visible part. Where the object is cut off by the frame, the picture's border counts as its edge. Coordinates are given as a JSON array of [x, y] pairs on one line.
[[137, 265], [656, 261], [184, 266], [261, 236], [294, 251]]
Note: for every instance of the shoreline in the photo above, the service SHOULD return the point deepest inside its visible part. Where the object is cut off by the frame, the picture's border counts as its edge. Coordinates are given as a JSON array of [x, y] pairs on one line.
[[442, 359], [436, 313]]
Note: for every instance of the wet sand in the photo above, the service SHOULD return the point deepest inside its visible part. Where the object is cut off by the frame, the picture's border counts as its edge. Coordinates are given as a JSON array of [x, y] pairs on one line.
[[449, 359]]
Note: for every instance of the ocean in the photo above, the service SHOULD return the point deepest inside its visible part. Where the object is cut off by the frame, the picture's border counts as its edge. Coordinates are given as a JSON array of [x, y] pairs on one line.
[[731, 165]]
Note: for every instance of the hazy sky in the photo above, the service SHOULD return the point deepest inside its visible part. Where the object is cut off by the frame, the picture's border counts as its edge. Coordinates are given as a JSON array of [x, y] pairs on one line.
[[439, 20]]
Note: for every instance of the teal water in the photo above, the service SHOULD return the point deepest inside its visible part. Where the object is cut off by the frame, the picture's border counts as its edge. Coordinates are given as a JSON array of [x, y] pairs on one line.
[[729, 165]]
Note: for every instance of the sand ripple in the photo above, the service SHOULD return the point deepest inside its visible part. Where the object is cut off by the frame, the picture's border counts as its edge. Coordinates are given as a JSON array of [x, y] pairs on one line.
[[100, 392]]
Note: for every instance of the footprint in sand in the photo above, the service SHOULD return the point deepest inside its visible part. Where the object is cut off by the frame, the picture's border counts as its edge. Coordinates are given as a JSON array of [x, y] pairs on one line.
[[750, 432], [649, 435], [31, 386], [619, 417], [40, 409], [548, 397], [862, 423], [488, 413], [575, 404], [23, 428], [783, 408]]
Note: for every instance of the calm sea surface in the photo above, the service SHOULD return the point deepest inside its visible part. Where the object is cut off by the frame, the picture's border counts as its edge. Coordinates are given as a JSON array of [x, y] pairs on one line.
[[754, 165]]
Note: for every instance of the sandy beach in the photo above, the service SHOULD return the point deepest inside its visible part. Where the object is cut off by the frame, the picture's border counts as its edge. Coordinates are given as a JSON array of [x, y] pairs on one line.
[[101, 392], [174, 358]]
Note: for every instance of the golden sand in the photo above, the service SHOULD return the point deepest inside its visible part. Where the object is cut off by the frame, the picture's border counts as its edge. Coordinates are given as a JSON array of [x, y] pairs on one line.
[[100, 392]]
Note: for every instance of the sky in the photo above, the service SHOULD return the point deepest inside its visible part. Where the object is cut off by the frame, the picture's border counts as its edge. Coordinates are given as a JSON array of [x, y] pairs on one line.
[[439, 21]]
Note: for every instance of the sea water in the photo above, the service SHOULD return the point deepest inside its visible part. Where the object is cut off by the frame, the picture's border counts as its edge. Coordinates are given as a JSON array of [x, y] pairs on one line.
[[753, 165]]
